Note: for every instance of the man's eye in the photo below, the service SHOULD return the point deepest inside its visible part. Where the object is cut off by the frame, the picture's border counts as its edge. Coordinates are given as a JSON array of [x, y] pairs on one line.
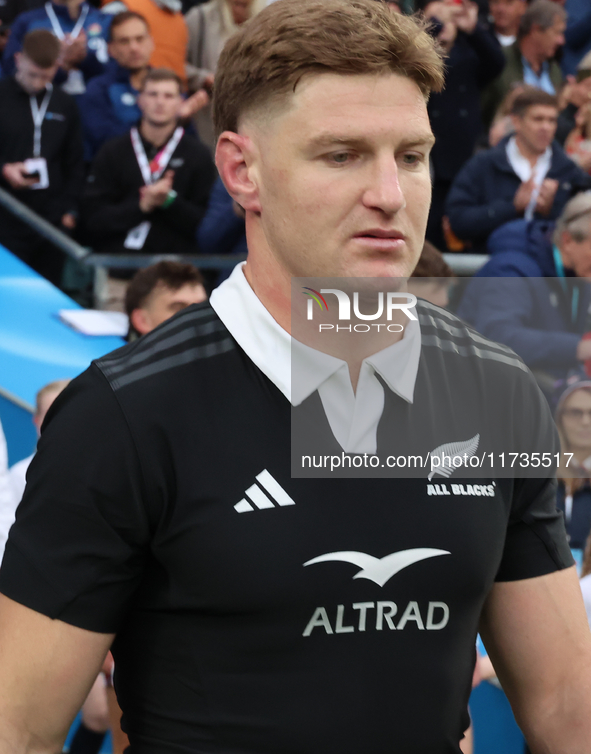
[[412, 159], [340, 158]]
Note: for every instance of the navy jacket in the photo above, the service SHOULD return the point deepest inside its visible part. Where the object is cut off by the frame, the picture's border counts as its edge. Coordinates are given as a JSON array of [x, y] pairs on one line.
[[108, 108], [530, 309], [481, 197], [96, 28], [221, 231]]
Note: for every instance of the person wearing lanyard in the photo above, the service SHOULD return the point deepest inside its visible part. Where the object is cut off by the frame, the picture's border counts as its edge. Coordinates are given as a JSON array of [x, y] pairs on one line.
[[82, 32], [40, 151], [147, 190]]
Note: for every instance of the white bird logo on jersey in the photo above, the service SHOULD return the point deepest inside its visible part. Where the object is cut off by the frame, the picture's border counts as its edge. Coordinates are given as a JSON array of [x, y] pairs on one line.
[[380, 570]]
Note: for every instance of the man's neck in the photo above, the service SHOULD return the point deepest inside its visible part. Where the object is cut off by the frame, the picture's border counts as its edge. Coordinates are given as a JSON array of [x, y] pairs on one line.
[[157, 135], [137, 76], [73, 7], [525, 151], [532, 55], [272, 285]]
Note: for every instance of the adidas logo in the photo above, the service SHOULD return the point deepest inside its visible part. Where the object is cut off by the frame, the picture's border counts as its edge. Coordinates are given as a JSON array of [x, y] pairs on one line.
[[262, 500]]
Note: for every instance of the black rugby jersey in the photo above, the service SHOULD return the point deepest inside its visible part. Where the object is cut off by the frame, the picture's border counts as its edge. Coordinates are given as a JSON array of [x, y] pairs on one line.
[[256, 613]]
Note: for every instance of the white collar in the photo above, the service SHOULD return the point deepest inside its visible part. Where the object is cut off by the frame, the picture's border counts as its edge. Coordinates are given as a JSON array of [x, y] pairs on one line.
[[524, 171], [269, 346]]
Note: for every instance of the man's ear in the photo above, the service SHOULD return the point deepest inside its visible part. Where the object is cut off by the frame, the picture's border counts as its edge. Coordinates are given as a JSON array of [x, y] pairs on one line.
[[140, 321], [233, 157]]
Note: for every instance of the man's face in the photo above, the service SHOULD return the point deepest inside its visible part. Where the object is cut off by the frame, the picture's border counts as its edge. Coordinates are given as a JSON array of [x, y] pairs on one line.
[[536, 127], [132, 45], [343, 177], [240, 10], [576, 255], [506, 14], [32, 78], [159, 102], [576, 419], [547, 41], [163, 302]]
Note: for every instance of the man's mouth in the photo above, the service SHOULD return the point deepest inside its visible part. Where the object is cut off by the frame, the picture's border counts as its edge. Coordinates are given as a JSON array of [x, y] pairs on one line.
[[381, 239]]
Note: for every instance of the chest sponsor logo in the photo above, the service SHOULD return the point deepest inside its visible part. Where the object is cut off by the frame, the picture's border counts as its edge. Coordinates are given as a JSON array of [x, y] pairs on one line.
[[267, 494], [383, 614], [55, 116], [471, 490], [451, 456]]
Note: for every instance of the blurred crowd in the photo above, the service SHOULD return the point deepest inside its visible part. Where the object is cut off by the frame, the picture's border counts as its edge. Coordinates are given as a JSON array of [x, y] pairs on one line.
[[106, 126]]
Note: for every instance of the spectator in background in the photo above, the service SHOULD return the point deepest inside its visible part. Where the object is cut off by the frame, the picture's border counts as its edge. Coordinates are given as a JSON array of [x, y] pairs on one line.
[[431, 277], [40, 152], [109, 107], [531, 58], [210, 26], [158, 292], [577, 35], [505, 16], [525, 175], [575, 94], [474, 59], [81, 31], [540, 308], [168, 29], [573, 420], [43, 400], [578, 143], [148, 190]]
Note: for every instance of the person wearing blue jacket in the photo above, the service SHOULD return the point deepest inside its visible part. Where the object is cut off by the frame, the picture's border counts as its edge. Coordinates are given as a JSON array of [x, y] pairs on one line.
[[540, 308], [82, 31], [109, 106], [526, 175]]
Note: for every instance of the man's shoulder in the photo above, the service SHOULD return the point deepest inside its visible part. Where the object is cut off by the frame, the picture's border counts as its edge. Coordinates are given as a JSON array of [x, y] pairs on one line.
[[194, 335], [98, 85], [23, 20], [445, 334], [115, 146]]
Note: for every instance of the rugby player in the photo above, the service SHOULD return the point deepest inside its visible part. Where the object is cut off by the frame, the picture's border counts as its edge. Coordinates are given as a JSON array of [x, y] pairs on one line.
[[251, 612]]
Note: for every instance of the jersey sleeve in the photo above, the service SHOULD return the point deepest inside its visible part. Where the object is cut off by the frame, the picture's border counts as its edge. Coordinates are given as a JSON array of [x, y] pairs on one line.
[[77, 549], [536, 542]]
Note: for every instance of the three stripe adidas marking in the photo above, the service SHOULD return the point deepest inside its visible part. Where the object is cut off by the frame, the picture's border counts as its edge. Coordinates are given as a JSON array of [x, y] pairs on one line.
[[260, 499]]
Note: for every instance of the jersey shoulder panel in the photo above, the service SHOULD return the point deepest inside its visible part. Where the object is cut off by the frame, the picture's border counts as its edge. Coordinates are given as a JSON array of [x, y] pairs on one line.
[[195, 334], [444, 332]]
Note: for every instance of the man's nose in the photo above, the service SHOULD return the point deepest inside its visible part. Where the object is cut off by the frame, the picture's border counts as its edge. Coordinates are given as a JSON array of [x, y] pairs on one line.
[[384, 191]]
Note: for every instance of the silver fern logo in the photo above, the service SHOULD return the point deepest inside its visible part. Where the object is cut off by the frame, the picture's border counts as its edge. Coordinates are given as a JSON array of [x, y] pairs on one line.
[[450, 456]]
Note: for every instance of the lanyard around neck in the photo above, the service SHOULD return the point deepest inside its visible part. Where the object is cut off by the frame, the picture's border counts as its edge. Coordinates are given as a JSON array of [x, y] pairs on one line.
[[562, 277], [162, 158], [38, 114], [57, 27]]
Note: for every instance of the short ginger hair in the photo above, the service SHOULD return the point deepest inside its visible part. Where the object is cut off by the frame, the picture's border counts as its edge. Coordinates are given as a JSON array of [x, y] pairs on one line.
[[269, 55]]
